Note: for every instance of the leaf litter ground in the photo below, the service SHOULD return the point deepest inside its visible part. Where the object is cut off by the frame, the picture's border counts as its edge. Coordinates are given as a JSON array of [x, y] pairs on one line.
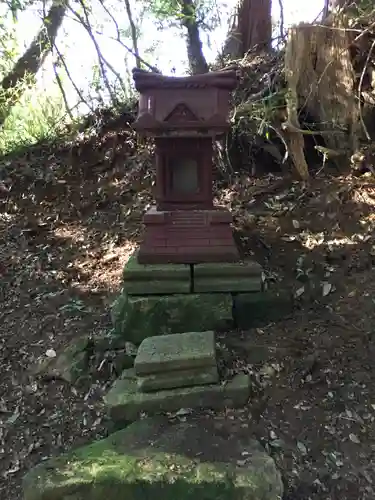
[[69, 220]]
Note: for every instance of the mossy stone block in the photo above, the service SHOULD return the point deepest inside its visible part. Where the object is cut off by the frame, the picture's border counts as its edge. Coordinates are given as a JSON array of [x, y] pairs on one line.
[[248, 268], [145, 279], [154, 458], [176, 352], [227, 277], [126, 403], [137, 318], [257, 309]]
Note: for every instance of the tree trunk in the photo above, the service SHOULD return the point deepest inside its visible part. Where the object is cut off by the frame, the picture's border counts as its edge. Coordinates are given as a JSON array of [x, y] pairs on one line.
[[251, 28], [32, 60], [197, 61], [133, 30]]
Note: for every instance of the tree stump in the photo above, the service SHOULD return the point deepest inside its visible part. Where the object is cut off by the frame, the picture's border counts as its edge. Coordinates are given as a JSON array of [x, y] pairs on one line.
[[321, 83]]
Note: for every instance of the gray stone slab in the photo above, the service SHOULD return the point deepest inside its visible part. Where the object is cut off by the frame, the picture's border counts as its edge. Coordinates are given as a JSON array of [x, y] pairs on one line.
[[178, 378], [231, 269], [126, 403], [228, 284], [148, 279], [175, 352]]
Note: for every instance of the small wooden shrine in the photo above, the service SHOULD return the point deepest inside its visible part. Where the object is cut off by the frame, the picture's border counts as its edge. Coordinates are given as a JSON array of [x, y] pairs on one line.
[[185, 115]]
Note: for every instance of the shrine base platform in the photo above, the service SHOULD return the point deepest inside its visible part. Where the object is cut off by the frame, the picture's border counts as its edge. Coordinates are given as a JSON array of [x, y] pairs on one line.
[[187, 237]]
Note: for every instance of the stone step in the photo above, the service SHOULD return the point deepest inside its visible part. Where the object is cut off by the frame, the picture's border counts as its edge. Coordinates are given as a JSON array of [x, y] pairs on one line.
[[126, 403], [231, 277], [228, 277], [139, 279], [179, 351], [178, 378]]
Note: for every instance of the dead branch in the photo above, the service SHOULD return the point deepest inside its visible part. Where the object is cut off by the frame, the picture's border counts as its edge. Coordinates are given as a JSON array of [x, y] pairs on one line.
[[287, 126]]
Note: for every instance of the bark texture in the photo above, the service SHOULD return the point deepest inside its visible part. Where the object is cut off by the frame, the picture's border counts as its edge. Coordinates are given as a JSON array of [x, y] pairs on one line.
[[197, 61], [251, 28], [32, 60]]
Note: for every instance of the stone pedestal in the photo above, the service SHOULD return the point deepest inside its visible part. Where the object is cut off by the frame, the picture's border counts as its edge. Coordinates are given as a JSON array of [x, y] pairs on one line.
[[156, 279], [187, 237], [159, 299]]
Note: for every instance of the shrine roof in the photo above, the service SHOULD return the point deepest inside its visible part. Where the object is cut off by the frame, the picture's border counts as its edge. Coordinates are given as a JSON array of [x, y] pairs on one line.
[[146, 80]]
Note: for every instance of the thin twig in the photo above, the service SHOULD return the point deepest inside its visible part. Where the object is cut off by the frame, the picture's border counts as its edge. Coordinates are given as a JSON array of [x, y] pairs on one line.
[[61, 87], [133, 30], [279, 135], [100, 55], [79, 93], [118, 40], [281, 5], [154, 69], [101, 60]]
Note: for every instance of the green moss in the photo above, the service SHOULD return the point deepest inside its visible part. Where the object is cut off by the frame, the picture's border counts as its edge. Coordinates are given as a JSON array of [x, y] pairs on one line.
[[143, 462], [136, 318], [103, 469]]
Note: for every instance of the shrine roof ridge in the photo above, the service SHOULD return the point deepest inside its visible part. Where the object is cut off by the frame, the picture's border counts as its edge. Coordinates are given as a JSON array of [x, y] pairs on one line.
[[226, 78]]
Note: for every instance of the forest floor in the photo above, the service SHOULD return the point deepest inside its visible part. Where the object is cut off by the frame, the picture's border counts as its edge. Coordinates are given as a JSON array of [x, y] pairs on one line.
[[68, 222]]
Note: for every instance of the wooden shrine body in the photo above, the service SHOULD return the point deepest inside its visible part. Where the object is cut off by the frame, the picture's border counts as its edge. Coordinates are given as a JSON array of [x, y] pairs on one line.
[[184, 115]]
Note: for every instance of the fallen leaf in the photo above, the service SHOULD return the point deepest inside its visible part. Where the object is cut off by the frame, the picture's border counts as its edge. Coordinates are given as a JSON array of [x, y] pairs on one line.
[[327, 288], [299, 292], [273, 435], [11, 470], [14, 417], [241, 462], [296, 224], [182, 412], [302, 448], [354, 439], [277, 443]]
